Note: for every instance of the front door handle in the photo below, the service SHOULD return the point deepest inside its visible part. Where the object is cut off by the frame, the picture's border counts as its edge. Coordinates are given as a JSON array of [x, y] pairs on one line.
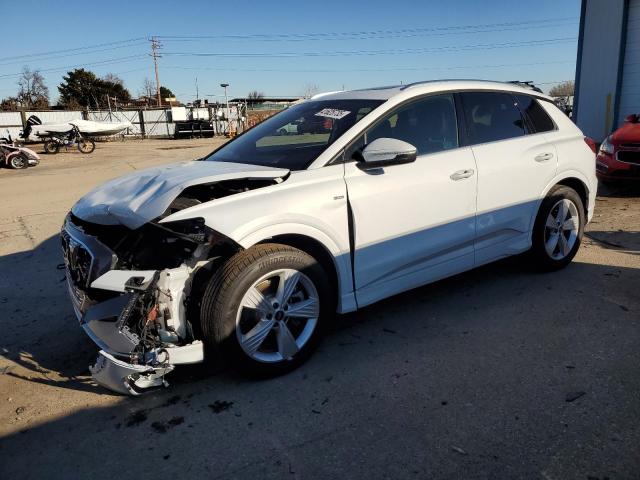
[[460, 174], [543, 157]]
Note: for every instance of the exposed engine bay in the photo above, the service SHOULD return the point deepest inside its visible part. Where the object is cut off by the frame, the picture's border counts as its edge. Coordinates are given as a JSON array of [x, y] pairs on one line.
[[136, 291]]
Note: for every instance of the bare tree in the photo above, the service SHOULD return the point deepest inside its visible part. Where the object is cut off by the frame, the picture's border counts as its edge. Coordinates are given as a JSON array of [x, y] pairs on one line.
[[310, 90], [563, 89], [255, 95], [113, 78], [148, 89], [32, 92]]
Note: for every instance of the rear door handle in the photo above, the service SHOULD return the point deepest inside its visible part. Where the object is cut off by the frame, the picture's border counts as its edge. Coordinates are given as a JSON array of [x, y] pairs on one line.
[[543, 157], [460, 174]]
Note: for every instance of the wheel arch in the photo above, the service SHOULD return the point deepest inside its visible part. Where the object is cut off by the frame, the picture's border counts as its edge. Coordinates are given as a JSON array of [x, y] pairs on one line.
[[577, 182], [321, 253]]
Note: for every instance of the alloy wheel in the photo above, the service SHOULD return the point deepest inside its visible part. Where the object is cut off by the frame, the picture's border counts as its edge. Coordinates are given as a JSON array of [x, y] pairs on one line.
[[277, 316], [561, 229]]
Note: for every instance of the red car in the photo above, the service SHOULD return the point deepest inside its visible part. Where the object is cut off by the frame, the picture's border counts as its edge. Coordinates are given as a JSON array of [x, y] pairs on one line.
[[619, 154]]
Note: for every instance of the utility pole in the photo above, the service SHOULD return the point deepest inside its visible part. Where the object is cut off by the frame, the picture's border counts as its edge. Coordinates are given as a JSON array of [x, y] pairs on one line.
[[226, 100], [155, 46]]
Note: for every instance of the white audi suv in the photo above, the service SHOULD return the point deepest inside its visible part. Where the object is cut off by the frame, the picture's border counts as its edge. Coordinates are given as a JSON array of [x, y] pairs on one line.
[[242, 256]]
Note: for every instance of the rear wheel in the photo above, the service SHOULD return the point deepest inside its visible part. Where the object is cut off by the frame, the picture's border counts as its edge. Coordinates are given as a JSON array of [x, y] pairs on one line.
[[558, 229], [51, 146], [265, 309], [86, 145], [19, 161]]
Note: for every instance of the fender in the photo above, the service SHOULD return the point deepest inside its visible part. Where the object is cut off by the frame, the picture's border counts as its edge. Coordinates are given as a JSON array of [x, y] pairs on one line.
[[341, 257], [591, 186]]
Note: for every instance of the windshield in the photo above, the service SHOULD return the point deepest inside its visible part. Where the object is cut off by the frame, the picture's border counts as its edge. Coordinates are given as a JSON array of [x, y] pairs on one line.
[[294, 138]]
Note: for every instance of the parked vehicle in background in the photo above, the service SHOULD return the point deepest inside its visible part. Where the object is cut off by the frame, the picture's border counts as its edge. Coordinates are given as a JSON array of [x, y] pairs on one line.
[[16, 156], [250, 250], [619, 155], [53, 141]]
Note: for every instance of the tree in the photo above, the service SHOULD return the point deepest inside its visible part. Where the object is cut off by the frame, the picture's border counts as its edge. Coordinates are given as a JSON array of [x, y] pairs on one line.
[[310, 90], [113, 78], [83, 88], [9, 104], [165, 93], [255, 95], [563, 89], [32, 92]]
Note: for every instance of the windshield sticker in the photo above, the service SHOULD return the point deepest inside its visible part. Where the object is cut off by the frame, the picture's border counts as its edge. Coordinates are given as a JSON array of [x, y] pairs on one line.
[[332, 113]]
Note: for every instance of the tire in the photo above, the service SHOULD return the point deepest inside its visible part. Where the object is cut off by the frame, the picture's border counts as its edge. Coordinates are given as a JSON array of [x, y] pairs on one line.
[[86, 145], [51, 146], [19, 162], [229, 325], [546, 254]]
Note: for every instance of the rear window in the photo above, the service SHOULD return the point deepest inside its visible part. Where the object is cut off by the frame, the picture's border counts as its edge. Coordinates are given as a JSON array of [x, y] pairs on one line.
[[539, 119], [491, 116]]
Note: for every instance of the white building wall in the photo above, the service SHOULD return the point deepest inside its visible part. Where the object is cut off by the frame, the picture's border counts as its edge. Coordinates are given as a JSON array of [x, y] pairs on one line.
[[630, 86], [598, 67]]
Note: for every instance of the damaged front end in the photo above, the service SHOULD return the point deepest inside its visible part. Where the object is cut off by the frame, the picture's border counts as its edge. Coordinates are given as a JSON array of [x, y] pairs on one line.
[[131, 307], [135, 277]]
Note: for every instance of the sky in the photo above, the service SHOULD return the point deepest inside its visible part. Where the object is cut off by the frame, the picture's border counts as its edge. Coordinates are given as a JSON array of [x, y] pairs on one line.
[[282, 48]]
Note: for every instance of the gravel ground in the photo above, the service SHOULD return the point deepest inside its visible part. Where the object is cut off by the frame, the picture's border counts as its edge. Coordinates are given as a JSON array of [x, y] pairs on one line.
[[495, 373]]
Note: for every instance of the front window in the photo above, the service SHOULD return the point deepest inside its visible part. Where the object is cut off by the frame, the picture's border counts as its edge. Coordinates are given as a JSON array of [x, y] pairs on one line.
[[294, 138]]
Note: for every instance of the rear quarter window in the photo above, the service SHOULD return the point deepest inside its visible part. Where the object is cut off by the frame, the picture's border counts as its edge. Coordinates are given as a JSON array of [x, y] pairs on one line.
[[539, 119]]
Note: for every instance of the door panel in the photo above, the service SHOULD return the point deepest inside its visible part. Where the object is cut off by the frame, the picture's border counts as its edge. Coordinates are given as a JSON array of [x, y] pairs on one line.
[[514, 167], [511, 176], [412, 223]]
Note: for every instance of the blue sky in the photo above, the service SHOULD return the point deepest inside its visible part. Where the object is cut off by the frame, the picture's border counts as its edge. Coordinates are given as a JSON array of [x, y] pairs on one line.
[[281, 47]]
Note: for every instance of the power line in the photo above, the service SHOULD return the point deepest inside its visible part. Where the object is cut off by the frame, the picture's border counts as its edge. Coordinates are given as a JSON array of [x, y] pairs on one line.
[[110, 61], [371, 33], [67, 50], [387, 69], [401, 51], [79, 53]]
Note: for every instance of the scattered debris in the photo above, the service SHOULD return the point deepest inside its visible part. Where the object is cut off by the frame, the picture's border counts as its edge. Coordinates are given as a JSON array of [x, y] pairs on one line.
[[458, 450], [172, 401], [176, 421], [136, 418], [159, 427], [220, 406], [574, 396]]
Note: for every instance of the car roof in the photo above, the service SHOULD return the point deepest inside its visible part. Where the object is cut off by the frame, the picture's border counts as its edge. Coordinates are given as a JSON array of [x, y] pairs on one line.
[[429, 86]]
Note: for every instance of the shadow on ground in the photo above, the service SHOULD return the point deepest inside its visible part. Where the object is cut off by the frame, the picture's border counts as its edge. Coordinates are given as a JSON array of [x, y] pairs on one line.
[[498, 372]]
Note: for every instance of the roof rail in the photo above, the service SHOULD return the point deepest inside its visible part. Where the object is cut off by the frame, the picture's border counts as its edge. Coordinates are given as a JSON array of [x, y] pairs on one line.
[[526, 84]]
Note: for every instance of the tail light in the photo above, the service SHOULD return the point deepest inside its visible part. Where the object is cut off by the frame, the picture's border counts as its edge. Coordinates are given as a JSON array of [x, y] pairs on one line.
[[592, 144]]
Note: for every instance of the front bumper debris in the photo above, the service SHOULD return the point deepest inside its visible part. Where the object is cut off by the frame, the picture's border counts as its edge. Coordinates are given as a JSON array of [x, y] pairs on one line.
[[127, 378], [136, 317]]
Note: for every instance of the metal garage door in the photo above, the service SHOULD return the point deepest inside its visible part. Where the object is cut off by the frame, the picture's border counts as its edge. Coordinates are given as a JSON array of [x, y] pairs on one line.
[[630, 91]]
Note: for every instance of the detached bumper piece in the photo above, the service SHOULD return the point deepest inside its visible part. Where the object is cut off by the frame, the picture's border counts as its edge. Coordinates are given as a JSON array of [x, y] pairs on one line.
[[127, 378]]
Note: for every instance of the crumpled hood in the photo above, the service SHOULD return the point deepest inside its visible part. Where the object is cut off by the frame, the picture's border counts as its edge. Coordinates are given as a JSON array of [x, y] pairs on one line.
[[135, 199]]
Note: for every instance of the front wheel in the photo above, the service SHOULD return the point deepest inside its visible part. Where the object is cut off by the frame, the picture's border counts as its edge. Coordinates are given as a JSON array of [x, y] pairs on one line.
[[86, 145], [19, 161], [264, 310], [558, 229]]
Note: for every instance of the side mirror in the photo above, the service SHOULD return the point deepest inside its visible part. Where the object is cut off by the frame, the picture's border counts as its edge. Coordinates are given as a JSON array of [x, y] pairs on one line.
[[633, 118], [383, 152]]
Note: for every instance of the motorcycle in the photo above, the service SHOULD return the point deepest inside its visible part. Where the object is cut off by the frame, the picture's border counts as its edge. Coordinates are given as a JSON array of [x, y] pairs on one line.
[[53, 141], [16, 156]]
